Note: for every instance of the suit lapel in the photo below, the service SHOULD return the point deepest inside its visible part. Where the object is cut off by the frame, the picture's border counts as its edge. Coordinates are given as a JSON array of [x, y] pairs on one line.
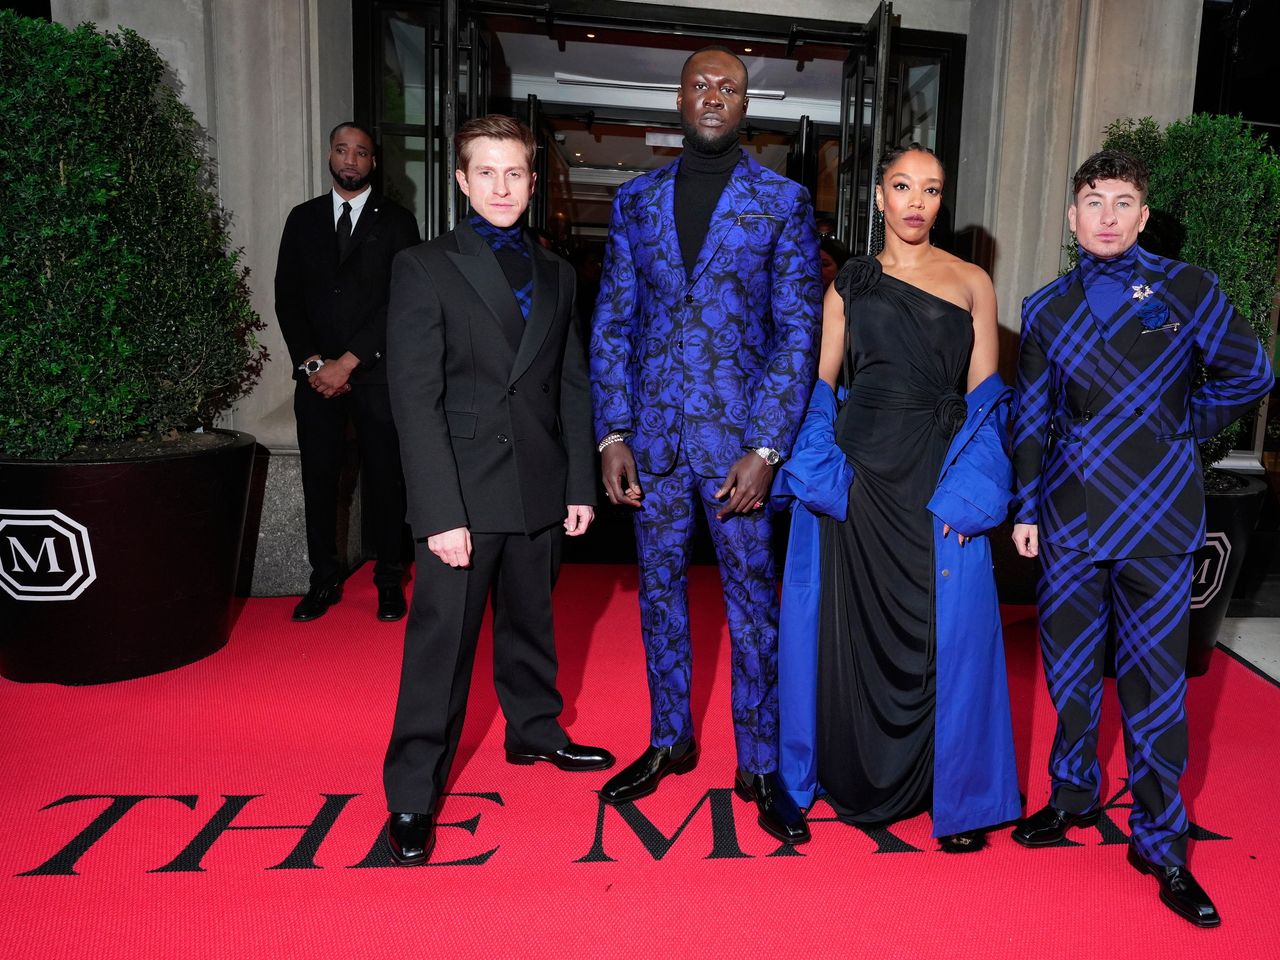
[[542, 314], [735, 199], [476, 262], [1115, 350], [664, 200]]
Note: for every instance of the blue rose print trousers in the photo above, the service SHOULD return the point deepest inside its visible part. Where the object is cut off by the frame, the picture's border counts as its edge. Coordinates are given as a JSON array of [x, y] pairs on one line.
[[1146, 603], [664, 528]]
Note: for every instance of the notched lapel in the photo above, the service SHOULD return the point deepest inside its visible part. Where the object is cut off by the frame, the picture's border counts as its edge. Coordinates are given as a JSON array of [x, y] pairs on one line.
[[542, 314], [737, 198]]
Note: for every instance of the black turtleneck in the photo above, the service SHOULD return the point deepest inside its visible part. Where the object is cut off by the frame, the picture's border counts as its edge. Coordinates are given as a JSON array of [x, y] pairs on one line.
[[700, 179]]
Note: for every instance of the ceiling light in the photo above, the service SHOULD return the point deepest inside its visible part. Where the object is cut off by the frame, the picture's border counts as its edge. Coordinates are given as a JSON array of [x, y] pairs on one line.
[[585, 81], [746, 49], [591, 36]]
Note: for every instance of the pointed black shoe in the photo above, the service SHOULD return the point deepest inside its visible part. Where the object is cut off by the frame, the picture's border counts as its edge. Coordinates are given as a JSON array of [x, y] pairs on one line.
[[317, 602], [642, 777], [409, 838], [779, 815], [573, 757], [1179, 890], [1049, 825], [391, 604], [968, 841]]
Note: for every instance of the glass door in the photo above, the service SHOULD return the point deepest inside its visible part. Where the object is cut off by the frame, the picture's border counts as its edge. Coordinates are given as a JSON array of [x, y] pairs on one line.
[[427, 70], [864, 118]]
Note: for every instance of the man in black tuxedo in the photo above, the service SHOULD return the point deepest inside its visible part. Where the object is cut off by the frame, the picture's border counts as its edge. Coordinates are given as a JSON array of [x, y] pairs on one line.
[[332, 282], [489, 388]]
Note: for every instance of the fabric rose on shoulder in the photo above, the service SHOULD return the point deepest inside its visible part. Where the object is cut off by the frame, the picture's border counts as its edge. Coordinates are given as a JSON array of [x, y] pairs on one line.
[[857, 276]]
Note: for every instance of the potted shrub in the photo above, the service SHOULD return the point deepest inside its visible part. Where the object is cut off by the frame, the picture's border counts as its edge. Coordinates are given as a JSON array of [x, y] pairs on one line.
[[1215, 202], [125, 331]]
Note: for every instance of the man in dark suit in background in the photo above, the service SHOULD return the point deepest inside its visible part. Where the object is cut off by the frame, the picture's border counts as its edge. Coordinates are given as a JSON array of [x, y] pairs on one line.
[[332, 282], [488, 379]]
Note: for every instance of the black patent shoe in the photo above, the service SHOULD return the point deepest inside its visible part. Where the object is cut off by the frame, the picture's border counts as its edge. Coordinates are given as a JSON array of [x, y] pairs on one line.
[[1179, 890], [409, 838], [317, 602], [642, 777], [1049, 825], [969, 841], [779, 815], [391, 605], [573, 757]]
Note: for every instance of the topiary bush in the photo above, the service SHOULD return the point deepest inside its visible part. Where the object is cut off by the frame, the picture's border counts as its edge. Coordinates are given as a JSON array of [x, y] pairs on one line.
[[1215, 202], [123, 311]]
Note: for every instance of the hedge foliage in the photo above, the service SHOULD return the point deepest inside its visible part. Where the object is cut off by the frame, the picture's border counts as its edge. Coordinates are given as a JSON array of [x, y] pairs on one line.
[[123, 310], [1215, 202]]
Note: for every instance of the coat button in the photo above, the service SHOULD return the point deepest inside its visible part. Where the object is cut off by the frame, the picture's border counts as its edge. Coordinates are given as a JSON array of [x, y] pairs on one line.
[[546, 388], [688, 298], [511, 391], [1087, 416], [946, 572], [502, 438]]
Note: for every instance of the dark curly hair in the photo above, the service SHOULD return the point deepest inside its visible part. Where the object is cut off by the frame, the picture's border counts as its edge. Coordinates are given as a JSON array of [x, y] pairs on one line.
[[1111, 165]]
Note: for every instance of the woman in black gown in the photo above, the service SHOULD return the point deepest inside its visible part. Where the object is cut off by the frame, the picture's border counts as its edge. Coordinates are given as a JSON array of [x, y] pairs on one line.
[[909, 331]]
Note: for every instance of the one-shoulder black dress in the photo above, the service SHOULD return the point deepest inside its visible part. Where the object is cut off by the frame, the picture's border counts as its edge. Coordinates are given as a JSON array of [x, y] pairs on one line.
[[907, 361]]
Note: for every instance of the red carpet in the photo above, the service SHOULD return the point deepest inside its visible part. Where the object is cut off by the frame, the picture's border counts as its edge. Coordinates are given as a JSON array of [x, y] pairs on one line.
[[116, 797]]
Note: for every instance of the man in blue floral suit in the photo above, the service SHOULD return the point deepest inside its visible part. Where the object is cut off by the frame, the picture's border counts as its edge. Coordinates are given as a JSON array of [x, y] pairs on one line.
[[1111, 499], [703, 355]]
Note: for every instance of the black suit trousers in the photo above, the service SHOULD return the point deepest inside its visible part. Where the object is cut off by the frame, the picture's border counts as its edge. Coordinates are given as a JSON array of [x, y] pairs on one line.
[[322, 430], [519, 571]]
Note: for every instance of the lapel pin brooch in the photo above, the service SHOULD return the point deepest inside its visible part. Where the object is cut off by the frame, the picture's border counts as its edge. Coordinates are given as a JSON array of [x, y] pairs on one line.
[[1141, 291]]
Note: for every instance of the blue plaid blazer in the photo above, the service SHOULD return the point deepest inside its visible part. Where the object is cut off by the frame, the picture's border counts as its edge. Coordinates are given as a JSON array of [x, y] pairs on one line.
[[721, 361], [1106, 430]]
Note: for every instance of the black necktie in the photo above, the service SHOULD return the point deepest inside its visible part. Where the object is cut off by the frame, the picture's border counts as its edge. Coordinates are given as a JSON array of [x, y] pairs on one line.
[[344, 231]]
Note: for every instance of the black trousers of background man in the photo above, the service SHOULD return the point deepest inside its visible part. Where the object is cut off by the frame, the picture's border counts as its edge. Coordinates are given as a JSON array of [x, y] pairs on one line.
[[440, 650], [322, 431]]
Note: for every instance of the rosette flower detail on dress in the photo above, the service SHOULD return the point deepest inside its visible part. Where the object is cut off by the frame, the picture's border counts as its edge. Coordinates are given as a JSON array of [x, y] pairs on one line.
[[857, 276]]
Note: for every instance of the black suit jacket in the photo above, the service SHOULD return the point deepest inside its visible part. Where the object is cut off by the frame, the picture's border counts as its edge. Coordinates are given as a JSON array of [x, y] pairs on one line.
[[493, 412], [328, 305]]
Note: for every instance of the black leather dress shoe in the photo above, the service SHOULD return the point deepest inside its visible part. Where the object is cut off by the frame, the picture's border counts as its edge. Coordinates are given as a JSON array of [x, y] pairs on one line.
[[572, 756], [317, 602], [1179, 890], [968, 841], [641, 778], [409, 838], [779, 815], [391, 604], [1048, 826]]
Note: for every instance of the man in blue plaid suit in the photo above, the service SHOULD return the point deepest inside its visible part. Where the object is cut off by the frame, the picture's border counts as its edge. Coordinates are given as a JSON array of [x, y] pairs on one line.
[[1110, 497]]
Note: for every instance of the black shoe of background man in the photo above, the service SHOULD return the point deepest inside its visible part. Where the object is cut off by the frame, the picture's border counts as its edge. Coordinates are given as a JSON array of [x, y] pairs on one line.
[[779, 815], [1179, 890], [574, 757], [1049, 825], [391, 605], [317, 602], [642, 777], [409, 838]]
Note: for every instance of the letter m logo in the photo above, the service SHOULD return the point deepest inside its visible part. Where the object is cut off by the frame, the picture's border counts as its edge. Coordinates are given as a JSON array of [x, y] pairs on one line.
[[44, 555]]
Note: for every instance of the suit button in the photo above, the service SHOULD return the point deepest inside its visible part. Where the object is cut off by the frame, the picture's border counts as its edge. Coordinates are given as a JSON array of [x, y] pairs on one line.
[[679, 344], [337, 289], [511, 391], [1087, 416], [546, 388], [502, 438], [688, 298]]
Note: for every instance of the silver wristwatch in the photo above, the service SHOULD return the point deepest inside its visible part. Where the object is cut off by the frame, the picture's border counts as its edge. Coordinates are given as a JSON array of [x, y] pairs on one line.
[[311, 366], [769, 455]]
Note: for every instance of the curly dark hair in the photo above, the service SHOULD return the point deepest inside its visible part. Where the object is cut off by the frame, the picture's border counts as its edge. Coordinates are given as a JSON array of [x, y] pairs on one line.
[[1111, 165]]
